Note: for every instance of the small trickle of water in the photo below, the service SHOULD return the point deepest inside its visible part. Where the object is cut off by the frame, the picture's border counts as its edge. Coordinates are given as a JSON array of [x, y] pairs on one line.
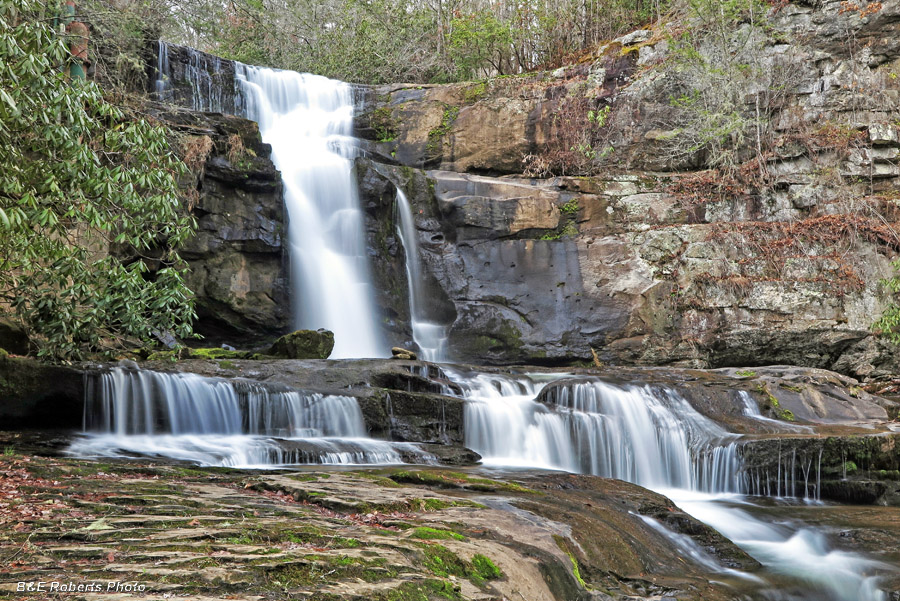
[[689, 548], [430, 337], [751, 409], [203, 73]]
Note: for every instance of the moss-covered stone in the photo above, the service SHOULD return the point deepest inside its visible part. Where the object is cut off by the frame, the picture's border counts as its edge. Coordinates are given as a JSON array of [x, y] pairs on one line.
[[304, 344]]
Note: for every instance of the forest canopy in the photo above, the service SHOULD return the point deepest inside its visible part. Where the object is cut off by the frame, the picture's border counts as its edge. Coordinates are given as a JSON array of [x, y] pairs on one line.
[[381, 41]]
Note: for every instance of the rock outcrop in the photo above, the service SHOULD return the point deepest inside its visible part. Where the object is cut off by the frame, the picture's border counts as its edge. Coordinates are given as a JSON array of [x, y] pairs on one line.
[[363, 535], [238, 263], [654, 262], [645, 264], [37, 395]]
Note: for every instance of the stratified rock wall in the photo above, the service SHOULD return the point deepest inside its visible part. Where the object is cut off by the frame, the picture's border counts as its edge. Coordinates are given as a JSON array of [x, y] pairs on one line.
[[639, 263]]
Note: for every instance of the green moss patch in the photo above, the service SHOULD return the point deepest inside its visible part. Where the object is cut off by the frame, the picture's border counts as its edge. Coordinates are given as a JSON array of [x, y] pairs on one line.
[[435, 534], [443, 562]]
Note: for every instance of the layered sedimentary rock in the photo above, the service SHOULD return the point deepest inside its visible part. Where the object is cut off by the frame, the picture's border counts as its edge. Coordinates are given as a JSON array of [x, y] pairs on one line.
[[238, 262], [649, 262]]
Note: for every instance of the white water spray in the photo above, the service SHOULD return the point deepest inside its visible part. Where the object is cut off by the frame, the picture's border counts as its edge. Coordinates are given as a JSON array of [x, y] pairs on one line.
[[308, 121]]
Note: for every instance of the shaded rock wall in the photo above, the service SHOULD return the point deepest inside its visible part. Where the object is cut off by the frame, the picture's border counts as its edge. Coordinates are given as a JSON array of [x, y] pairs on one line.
[[238, 263], [38, 395], [851, 469]]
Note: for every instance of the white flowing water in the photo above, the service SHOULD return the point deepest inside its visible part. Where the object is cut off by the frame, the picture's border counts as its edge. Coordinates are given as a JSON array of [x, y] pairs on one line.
[[214, 422], [308, 121], [648, 436], [430, 337], [203, 73], [653, 437], [800, 553]]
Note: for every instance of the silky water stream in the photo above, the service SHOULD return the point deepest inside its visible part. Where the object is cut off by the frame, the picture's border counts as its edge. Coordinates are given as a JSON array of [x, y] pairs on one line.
[[651, 436]]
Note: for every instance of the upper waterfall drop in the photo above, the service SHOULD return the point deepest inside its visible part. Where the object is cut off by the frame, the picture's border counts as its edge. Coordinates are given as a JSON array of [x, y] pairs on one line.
[[308, 121]]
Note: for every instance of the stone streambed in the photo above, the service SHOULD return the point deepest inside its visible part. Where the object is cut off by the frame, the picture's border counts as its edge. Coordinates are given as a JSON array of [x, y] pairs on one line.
[[388, 534]]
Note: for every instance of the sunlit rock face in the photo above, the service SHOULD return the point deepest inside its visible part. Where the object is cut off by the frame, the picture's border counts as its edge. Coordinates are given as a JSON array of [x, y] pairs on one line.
[[631, 262]]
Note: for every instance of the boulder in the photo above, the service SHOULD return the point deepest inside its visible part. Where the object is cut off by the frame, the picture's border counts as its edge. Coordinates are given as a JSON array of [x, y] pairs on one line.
[[304, 344], [13, 338], [402, 353], [38, 395]]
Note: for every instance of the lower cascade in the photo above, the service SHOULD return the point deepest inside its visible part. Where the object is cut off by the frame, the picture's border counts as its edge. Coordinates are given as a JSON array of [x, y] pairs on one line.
[[653, 437], [213, 422]]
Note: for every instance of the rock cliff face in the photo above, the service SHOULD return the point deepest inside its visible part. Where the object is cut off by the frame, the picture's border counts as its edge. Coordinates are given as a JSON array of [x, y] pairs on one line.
[[654, 261], [238, 265], [640, 263]]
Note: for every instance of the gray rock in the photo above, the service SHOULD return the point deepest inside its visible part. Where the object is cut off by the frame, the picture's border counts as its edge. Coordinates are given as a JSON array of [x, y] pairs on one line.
[[238, 266], [635, 37]]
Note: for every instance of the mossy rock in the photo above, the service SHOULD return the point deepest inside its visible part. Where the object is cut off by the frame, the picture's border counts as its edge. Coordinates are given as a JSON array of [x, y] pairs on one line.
[[199, 353], [304, 344]]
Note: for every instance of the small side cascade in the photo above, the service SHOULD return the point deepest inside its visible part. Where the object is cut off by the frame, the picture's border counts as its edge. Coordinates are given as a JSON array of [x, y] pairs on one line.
[[141, 402], [216, 422], [163, 83], [641, 434], [430, 337], [795, 474], [750, 409], [204, 73]]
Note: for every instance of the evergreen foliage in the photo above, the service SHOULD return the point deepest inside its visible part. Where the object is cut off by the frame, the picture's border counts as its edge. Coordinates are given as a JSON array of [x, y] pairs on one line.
[[88, 201]]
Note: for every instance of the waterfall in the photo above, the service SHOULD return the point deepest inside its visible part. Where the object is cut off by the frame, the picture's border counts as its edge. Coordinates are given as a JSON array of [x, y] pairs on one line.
[[217, 422], [649, 436], [431, 338], [163, 85], [653, 437], [308, 121]]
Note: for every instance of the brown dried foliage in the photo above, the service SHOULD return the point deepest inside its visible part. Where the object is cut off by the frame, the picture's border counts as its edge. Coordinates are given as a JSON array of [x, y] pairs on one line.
[[773, 243], [195, 151]]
